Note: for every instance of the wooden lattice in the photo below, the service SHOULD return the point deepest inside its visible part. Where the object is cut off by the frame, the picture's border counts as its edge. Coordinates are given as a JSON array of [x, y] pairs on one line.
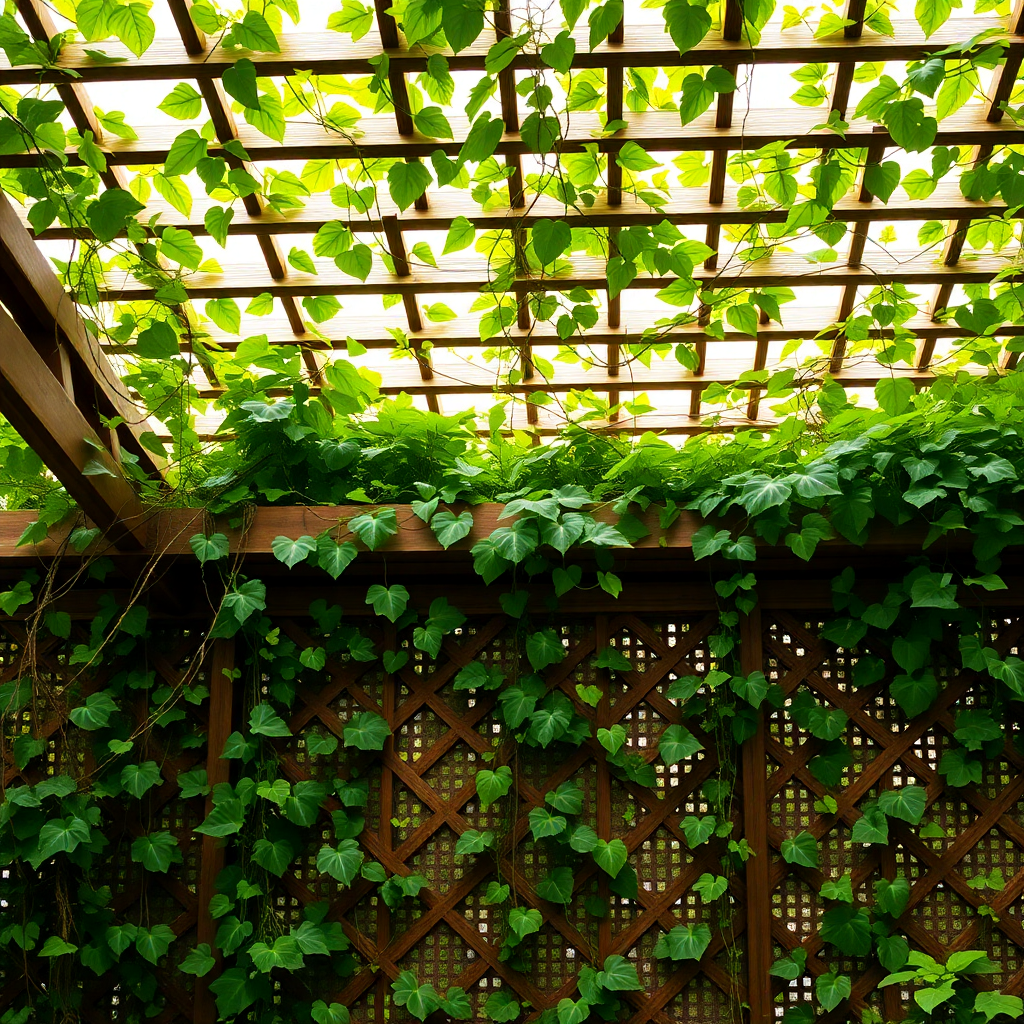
[[422, 796]]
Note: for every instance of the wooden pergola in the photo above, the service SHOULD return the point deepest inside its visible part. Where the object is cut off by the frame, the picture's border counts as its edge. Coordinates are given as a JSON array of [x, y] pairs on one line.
[[59, 385]]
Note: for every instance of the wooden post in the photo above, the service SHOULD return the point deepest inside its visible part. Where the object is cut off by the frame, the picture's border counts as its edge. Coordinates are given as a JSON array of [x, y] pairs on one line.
[[755, 829], [222, 663]]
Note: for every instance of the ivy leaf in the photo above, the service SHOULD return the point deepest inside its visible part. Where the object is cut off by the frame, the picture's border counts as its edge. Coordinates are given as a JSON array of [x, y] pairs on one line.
[[801, 849], [254, 33], [848, 929], [551, 238], [420, 1000], [832, 989], [619, 975], [334, 558], [63, 835], [407, 182], [291, 552], [914, 694], [515, 542], [156, 851], [56, 946], [557, 886], [524, 922], [366, 731], [132, 24], [502, 1007], [449, 528], [374, 530], [472, 842], [185, 153], [265, 721], [907, 803], [698, 830], [285, 953], [95, 712], [711, 887], [567, 798], [138, 779], [199, 962], [209, 549], [543, 823], [153, 943], [390, 601], [236, 991], [891, 896], [677, 743], [687, 23], [240, 82], [242, 602], [687, 942], [871, 827], [274, 857], [610, 856], [544, 649], [491, 786], [341, 862]]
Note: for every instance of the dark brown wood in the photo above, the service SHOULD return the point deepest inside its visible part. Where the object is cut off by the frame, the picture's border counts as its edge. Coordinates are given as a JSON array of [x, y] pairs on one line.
[[35, 404], [218, 770], [755, 822]]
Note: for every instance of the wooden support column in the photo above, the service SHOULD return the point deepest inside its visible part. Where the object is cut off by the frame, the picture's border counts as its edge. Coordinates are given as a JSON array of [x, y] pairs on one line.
[[47, 316], [218, 770], [755, 831], [36, 405]]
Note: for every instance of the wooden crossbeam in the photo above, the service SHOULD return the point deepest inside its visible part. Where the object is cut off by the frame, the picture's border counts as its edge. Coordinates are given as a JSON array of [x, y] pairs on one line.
[[909, 268], [46, 314], [655, 130], [44, 414], [684, 206], [639, 46]]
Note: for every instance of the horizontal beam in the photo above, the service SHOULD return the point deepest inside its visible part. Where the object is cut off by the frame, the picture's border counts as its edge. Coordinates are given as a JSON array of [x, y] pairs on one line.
[[43, 310], [685, 207], [804, 322], [461, 378], [654, 130], [41, 411], [642, 46], [910, 268]]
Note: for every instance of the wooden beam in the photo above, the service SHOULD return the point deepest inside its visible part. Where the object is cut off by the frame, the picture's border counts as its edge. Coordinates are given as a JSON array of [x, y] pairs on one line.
[[655, 130], [36, 405], [47, 315], [640, 46]]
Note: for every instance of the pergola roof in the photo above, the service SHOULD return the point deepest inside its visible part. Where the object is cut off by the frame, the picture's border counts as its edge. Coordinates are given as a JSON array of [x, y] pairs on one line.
[[453, 364]]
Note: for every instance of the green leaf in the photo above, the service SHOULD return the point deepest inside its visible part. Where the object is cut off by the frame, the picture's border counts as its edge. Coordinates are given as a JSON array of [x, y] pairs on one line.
[[801, 849], [619, 975], [96, 711], [357, 262], [491, 786], [430, 121], [110, 213], [265, 721], [153, 943], [848, 929], [156, 851], [677, 743], [138, 779], [420, 1000], [610, 856], [543, 823], [711, 887], [341, 862], [687, 23], [557, 886], [185, 153], [567, 798], [914, 694], [209, 549], [284, 953], [240, 82], [907, 803], [199, 962], [891, 896], [544, 649], [56, 946], [182, 102], [524, 922], [502, 1007], [390, 601], [254, 33], [684, 942], [132, 24], [558, 54], [366, 731], [334, 558], [550, 238], [894, 394], [291, 552], [449, 528], [871, 827], [832, 989], [374, 530], [407, 182]]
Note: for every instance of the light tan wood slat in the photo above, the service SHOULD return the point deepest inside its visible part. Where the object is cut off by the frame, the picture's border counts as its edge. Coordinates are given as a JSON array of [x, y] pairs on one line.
[[684, 207], [642, 46], [657, 131], [794, 271]]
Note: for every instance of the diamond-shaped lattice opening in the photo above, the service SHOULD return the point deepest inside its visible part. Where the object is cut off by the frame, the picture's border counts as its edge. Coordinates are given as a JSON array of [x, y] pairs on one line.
[[408, 813], [943, 914], [486, 919], [994, 857], [418, 735], [701, 999], [453, 771], [837, 853], [788, 994], [953, 816], [436, 861], [792, 809], [439, 958], [555, 960], [797, 906], [659, 861]]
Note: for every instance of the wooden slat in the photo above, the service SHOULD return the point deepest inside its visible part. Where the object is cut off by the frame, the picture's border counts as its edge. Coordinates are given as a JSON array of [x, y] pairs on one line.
[[655, 130], [36, 405], [461, 379], [38, 303], [641, 46], [470, 276], [684, 206]]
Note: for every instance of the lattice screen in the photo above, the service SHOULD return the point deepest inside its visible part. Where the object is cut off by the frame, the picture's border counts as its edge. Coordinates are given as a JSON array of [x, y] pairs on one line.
[[422, 797]]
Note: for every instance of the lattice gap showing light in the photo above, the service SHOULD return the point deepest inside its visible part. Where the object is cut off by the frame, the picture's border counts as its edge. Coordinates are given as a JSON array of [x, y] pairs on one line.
[[884, 242]]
